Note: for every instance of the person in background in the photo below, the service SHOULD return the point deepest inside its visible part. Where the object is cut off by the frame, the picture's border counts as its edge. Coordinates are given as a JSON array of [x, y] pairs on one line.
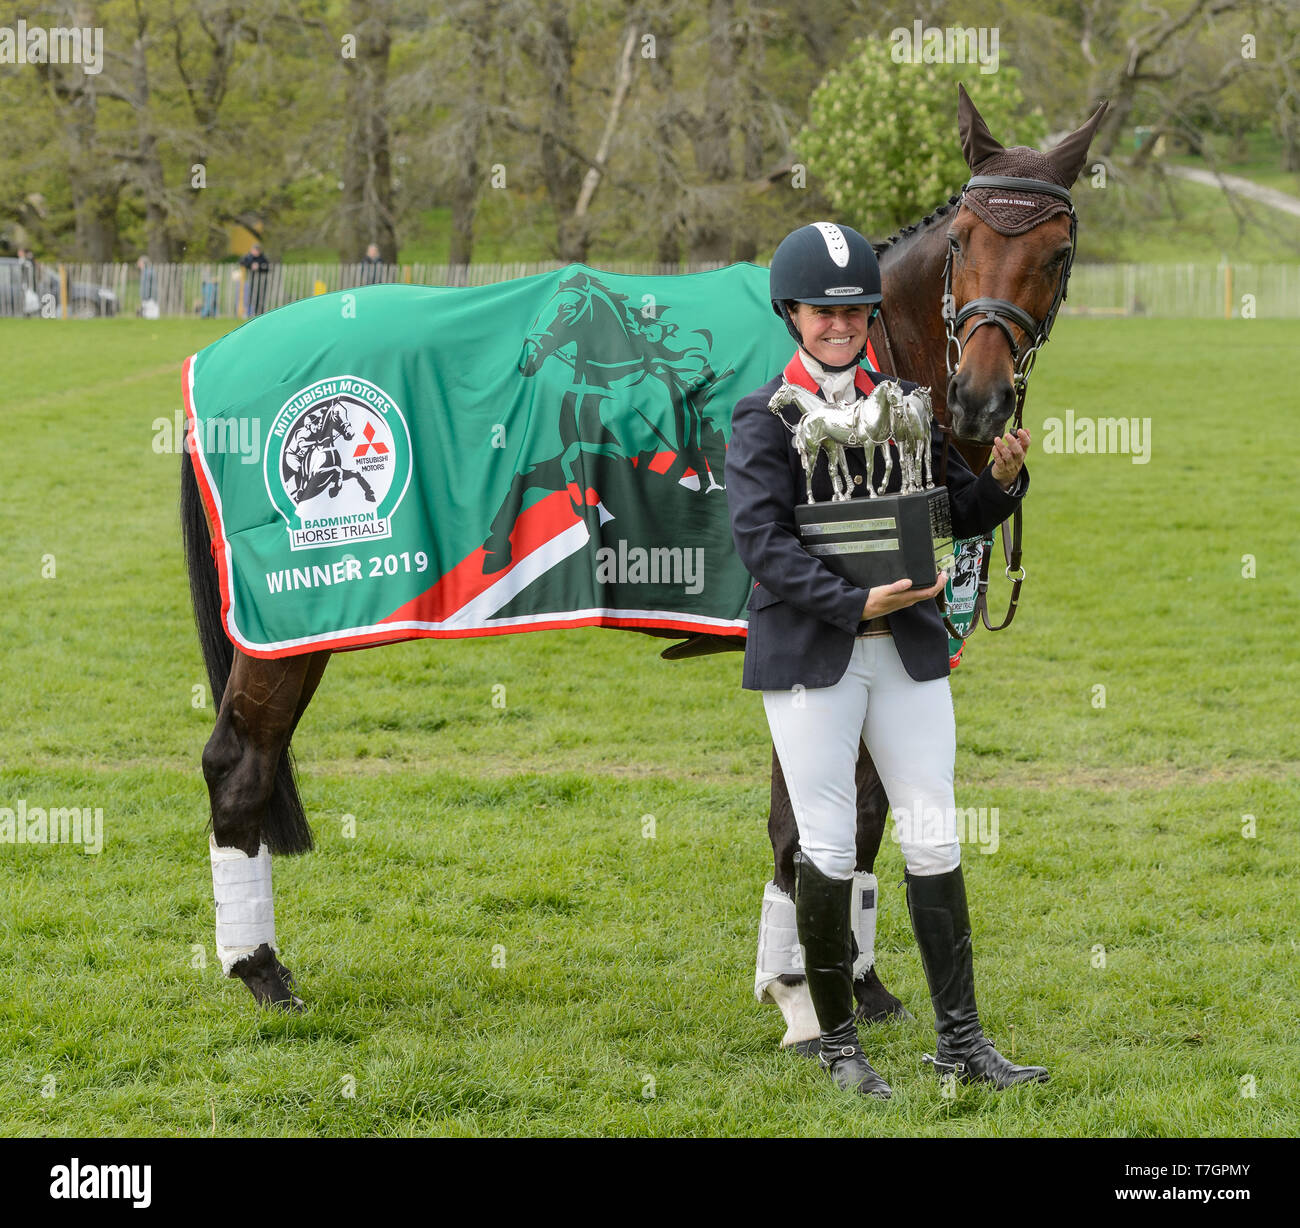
[[209, 288], [148, 298], [370, 265], [257, 273]]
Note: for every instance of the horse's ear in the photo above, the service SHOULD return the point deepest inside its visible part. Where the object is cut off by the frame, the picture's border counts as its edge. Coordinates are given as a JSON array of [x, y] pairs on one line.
[[1070, 154], [977, 142]]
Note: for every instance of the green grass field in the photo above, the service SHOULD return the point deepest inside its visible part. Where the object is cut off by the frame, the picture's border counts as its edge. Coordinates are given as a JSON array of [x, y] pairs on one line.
[[624, 1003]]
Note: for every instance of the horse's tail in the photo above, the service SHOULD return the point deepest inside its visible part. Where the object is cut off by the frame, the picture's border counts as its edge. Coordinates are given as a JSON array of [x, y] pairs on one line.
[[284, 824], [205, 593]]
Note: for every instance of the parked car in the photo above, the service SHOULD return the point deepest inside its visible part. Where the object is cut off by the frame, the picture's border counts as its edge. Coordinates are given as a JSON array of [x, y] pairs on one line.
[[25, 286]]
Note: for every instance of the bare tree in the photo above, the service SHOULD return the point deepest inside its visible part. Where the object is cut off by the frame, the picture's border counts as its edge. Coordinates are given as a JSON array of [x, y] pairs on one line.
[[366, 211]]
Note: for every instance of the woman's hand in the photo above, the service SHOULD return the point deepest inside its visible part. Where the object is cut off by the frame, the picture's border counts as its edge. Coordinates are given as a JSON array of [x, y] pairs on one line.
[[886, 598], [1008, 457]]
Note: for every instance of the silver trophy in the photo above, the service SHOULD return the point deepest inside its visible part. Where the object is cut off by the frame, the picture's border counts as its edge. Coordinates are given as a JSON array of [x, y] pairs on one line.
[[905, 535]]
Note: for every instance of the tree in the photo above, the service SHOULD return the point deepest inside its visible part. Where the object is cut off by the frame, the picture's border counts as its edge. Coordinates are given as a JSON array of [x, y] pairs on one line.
[[366, 213], [881, 138]]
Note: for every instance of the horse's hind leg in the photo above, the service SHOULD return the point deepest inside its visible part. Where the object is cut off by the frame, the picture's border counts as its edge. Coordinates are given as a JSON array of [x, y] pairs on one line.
[[875, 1002], [778, 973], [262, 703]]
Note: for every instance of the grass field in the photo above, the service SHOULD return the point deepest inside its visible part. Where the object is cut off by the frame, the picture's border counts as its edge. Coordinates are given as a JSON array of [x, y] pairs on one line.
[[624, 1002]]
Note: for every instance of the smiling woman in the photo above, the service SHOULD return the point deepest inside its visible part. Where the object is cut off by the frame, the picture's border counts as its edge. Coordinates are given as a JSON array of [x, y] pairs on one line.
[[823, 652]]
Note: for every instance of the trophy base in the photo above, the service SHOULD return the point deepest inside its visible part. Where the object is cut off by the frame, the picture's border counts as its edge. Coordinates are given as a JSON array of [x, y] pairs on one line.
[[878, 541]]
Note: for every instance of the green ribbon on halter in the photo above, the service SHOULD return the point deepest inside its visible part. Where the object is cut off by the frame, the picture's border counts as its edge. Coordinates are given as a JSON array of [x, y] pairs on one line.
[[962, 589]]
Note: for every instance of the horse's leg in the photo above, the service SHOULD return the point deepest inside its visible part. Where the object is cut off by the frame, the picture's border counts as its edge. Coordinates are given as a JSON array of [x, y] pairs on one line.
[[846, 474], [875, 1002], [356, 476], [778, 973], [261, 706], [689, 455], [549, 475]]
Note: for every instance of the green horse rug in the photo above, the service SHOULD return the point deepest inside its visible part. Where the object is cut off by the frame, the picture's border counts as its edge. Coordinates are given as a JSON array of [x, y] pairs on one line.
[[399, 461], [396, 462]]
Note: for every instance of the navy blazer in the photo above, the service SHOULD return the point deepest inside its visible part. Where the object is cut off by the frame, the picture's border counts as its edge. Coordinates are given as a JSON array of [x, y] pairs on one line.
[[802, 616]]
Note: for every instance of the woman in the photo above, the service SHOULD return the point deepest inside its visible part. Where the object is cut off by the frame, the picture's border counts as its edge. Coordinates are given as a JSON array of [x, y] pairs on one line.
[[837, 664]]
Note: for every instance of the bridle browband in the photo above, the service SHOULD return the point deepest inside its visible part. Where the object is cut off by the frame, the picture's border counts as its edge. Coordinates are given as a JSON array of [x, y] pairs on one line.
[[1003, 314]]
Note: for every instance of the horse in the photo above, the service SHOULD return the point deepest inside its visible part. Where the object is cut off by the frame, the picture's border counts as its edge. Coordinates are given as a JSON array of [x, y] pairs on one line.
[[943, 279], [910, 419], [864, 422], [247, 762]]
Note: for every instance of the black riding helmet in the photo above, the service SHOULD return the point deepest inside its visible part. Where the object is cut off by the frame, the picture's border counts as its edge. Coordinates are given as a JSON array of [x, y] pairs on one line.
[[823, 264]]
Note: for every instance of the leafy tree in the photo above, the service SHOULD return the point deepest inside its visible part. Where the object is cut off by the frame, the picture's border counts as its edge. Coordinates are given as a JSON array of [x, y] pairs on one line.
[[881, 139]]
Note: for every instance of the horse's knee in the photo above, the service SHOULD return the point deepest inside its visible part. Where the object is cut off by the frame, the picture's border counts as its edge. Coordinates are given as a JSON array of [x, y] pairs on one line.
[[240, 780], [221, 753]]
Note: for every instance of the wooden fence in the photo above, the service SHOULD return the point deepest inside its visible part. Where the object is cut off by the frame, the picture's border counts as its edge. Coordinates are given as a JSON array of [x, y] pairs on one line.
[[225, 291]]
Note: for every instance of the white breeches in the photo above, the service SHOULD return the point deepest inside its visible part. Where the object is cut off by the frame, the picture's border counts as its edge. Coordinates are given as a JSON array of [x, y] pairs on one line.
[[908, 728]]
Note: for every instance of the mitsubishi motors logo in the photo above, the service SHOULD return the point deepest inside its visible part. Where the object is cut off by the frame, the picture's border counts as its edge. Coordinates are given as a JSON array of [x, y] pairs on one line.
[[371, 444], [337, 463]]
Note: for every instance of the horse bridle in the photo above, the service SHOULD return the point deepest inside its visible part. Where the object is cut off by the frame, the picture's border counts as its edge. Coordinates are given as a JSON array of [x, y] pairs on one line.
[[1002, 313]]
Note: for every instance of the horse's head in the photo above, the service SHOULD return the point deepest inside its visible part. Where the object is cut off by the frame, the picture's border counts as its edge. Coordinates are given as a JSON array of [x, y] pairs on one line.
[[1011, 245], [583, 311], [887, 396], [781, 398], [335, 421], [918, 401]]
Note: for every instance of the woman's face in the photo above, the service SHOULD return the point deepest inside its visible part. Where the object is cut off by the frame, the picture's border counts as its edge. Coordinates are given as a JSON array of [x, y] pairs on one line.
[[832, 334]]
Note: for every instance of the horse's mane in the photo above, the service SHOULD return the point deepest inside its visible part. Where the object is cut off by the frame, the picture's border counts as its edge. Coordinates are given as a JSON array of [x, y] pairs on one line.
[[879, 247]]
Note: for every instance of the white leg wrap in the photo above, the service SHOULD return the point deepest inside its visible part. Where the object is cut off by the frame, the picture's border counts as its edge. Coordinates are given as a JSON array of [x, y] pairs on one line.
[[862, 913], [245, 912], [778, 942]]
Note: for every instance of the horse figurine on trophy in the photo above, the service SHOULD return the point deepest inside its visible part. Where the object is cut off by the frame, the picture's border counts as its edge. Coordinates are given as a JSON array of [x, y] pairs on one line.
[[867, 422]]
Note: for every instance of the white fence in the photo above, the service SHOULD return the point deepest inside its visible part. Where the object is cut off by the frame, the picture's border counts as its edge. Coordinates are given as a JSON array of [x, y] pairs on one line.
[[227, 291], [1198, 291]]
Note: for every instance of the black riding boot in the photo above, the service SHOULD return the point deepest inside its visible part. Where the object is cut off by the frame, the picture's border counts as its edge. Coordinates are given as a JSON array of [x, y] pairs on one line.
[[942, 926], [821, 907]]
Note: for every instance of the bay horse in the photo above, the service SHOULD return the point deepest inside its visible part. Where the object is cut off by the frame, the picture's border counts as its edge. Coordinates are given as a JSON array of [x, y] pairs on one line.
[[943, 279], [247, 762]]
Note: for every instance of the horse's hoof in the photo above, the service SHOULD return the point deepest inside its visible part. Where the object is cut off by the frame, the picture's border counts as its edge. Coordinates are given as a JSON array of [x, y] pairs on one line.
[[268, 980], [875, 1003], [370, 496]]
